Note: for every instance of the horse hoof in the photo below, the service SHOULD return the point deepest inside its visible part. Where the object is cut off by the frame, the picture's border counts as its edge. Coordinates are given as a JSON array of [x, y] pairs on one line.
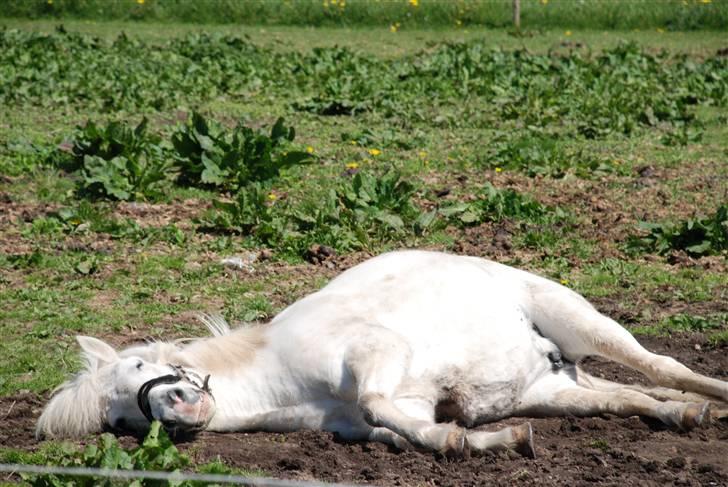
[[694, 415], [523, 439], [719, 414], [456, 444]]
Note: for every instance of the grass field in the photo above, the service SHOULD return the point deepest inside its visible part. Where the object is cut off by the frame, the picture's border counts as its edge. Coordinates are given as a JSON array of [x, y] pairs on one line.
[[675, 15], [544, 152]]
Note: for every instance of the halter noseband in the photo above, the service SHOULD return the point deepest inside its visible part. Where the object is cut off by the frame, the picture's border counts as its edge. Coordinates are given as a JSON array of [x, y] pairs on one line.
[[180, 374]]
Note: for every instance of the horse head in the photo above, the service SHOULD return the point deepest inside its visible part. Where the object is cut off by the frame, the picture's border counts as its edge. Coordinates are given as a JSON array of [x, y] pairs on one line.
[[127, 390]]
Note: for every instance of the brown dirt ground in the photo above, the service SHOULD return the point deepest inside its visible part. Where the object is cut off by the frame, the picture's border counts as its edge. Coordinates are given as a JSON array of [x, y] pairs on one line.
[[570, 451]]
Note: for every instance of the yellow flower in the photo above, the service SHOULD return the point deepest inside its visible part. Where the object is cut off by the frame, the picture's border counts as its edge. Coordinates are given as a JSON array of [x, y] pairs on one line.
[[50, 2], [375, 152], [352, 165], [392, 28], [458, 22], [498, 169], [141, 2], [423, 154], [661, 31], [564, 282], [705, 1], [353, 142], [309, 149], [272, 197], [567, 33], [414, 3], [544, 2]]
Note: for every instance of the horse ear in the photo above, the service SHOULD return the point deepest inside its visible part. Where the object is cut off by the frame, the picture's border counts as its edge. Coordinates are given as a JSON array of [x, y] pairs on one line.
[[99, 351]]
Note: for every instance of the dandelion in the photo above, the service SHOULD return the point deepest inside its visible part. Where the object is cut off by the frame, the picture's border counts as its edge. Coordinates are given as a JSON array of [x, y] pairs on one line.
[[498, 169], [564, 282], [309, 149], [661, 31], [567, 33], [394, 27], [422, 154], [544, 2], [140, 2], [414, 3], [352, 165], [705, 1], [374, 152], [353, 142], [272, 196]]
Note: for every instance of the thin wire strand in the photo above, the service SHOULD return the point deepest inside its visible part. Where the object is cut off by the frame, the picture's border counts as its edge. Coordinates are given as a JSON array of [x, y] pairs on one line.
[[156, 475]]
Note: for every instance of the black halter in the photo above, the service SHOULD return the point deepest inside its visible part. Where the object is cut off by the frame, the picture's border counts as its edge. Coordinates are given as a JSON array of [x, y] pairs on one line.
[[180, 374]]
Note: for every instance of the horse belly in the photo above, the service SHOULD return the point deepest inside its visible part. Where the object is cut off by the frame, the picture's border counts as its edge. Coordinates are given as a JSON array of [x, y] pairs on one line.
[[473, 398]]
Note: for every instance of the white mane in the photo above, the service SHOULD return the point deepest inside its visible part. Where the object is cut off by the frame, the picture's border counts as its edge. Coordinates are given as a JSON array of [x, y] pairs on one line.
[[77, 406]]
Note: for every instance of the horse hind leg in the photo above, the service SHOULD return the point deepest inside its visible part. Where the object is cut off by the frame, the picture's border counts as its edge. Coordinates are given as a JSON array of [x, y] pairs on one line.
[[580, 330], [560, 394], [718, 409]]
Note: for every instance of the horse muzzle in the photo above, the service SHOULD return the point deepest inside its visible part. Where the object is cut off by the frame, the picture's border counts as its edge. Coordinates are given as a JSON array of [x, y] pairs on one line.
[[182, 402]]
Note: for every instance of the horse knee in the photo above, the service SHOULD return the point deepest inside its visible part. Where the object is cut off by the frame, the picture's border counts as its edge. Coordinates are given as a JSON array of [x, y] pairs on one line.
[[369, 404]]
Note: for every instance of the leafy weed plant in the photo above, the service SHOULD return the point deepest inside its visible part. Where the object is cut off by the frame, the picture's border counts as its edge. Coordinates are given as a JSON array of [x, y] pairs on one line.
[[119, 162], [156, 453], [208, 156], [495, 204], [697, 236], [356, 214]]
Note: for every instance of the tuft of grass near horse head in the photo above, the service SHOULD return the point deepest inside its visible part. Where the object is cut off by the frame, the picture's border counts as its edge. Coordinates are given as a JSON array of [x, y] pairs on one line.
[[156, 452], [124, 189]]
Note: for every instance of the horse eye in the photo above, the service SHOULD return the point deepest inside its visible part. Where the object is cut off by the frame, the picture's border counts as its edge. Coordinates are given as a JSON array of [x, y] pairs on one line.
[[139, 365]]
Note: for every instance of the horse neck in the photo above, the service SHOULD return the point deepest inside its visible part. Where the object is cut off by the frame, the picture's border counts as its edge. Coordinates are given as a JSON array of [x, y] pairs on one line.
[[244, 371]]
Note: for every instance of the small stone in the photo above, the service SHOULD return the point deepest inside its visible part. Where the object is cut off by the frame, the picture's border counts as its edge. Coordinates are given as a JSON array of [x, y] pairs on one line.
[[243, 262]]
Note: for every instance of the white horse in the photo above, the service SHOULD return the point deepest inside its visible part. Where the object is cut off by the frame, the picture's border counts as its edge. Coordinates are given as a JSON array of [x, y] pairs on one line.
[[411, 348]]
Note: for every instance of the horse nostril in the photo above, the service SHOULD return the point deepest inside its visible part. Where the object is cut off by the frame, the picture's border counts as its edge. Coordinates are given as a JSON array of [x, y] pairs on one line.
[[176, 395], [179, 394]]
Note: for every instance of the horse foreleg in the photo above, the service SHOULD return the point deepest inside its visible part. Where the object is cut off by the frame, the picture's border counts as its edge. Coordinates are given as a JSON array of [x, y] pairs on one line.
[[559, 394], [378, 364]]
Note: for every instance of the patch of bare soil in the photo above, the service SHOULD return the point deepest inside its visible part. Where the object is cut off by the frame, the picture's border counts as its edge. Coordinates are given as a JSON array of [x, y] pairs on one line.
[[570, 451]]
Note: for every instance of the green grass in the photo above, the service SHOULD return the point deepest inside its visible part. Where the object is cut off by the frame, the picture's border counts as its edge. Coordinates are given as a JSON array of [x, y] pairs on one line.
[[619, 14]]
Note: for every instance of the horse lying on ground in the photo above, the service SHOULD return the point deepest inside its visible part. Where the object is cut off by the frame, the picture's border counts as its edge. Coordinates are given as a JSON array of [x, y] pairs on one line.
[[410, 348]]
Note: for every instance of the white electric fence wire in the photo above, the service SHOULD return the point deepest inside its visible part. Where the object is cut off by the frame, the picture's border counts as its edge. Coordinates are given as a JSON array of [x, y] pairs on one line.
[[155, 475]]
